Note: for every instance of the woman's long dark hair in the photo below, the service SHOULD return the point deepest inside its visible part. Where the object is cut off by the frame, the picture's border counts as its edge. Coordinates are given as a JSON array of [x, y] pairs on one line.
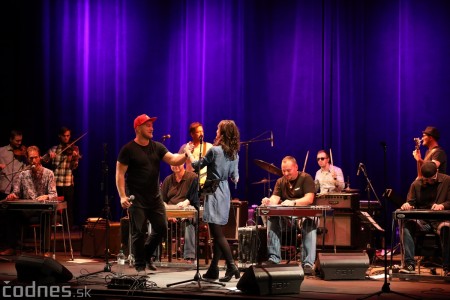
[[228, 138]]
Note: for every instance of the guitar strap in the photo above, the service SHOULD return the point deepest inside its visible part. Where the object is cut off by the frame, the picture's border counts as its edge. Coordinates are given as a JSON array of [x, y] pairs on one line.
[[427, 157], [204, 150]]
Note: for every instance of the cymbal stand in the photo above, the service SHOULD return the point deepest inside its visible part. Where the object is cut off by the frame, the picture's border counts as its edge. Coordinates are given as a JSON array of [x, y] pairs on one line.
[[246, 144]]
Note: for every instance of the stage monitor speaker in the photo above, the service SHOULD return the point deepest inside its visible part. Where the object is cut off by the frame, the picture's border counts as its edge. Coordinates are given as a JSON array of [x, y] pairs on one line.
[[271, 280], [237, 218], [343, 266], [41, 269]]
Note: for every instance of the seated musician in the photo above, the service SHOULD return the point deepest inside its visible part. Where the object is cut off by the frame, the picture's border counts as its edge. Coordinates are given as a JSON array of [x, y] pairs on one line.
[[36, 183], [293, 189], [175, 191], [432, 191], [329, 178]]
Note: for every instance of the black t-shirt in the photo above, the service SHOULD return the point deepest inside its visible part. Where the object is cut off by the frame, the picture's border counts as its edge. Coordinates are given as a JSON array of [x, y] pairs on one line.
[[424, 196], [142, 176], [438, 154], [295, 189]]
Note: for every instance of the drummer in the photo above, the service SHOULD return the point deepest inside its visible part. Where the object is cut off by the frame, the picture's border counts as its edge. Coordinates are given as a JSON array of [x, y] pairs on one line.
[[293, 189], [329, 178]]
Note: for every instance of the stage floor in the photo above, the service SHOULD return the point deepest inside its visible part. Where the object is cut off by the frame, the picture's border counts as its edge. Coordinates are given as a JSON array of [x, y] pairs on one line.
[[154, 285]]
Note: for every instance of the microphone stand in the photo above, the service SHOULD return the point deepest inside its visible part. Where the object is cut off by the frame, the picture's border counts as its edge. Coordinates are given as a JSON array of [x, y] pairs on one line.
[[106, 212], [197, 277], [246, 144], [386, 285]]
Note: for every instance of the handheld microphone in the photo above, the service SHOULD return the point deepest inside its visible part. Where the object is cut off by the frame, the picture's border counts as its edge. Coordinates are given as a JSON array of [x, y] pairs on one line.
[[201, 139], [131, 198], [271, 138], [165, 137]]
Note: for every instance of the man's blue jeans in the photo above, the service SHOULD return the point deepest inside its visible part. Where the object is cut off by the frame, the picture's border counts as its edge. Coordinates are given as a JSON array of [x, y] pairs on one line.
[[275, 226]]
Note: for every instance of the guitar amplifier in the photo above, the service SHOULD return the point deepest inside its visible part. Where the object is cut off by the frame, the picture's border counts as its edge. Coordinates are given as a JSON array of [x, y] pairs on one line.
[[252, 248], [339, 200], [347, 227], [237, 218], [93, 241]]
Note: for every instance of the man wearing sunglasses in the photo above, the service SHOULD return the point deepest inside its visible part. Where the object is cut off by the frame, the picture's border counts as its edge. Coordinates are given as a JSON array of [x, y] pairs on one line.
[[329, 178], [430, 192]]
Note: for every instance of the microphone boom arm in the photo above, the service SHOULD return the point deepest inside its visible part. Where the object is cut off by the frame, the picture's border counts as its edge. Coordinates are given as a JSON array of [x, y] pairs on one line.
[[255, 141]]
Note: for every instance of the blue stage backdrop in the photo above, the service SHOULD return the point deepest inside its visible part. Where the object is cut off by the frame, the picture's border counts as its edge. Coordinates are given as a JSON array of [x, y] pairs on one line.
[[350, 76]]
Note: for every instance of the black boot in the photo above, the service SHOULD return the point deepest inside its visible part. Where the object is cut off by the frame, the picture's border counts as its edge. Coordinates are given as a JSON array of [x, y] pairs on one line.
[[232, 270], [212, 273]]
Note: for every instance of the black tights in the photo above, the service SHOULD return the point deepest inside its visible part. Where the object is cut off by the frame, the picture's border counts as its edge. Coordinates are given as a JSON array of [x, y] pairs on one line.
[[220, 246]]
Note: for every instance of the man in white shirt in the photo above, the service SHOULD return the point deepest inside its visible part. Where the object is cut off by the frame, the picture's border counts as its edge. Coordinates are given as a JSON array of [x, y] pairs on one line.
[[329, 177]]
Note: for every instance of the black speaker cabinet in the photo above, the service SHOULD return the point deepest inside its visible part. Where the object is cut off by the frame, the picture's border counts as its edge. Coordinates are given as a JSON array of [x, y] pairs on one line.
[[41, 269], [347, 226], [93, 242], [271, 280], [343, 266], [237, 218]]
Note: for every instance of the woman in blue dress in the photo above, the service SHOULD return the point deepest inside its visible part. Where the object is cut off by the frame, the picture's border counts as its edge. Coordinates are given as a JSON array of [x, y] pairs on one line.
[[222, 162]]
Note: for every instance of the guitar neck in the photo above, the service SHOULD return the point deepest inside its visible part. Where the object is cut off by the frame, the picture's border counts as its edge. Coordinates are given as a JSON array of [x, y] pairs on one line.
[[419, 164]]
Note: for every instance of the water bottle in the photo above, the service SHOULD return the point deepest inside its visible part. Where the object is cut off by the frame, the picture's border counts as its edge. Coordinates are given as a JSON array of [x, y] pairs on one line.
[[120, 263]]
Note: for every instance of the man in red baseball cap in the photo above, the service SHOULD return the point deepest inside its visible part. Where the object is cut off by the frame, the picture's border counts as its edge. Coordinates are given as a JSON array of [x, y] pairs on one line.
[[140, 161], [142, 119]]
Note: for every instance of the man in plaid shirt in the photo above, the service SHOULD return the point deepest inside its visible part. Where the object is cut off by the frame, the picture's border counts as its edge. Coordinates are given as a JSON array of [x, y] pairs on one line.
[[64, 159]]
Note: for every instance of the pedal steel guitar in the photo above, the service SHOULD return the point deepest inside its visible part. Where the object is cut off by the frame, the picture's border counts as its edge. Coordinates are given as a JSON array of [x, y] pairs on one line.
[[299, 211]]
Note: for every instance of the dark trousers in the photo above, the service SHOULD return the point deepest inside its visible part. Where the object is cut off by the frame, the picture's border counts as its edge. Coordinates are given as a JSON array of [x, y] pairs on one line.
[[143, 246]]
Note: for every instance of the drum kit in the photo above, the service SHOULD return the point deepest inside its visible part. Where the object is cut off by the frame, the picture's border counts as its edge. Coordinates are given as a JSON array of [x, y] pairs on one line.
[[268, 167], [272, 169]]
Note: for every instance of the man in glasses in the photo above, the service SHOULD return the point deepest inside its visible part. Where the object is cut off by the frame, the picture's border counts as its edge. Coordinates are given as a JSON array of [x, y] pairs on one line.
[[435, 153], [329, 178], [430, 192]]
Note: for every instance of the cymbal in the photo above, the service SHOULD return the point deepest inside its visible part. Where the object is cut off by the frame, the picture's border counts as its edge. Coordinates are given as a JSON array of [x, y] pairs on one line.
[[268, 167], [265, 180], [348, 190]]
